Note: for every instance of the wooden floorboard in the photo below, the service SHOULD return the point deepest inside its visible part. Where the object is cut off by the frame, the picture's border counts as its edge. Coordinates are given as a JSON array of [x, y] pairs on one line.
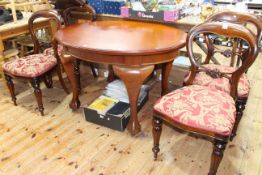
[[62, 142]]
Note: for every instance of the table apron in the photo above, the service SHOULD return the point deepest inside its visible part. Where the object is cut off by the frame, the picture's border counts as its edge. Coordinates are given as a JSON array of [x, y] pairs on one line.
[[128, 60]]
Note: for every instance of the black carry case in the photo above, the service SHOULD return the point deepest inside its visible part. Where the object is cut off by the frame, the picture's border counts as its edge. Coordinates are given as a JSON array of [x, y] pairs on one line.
[[116, 118]]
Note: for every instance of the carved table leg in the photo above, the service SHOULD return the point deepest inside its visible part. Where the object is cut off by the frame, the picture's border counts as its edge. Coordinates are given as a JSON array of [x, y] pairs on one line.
[[133, 77], [68, 64], [166, 68], [93, 70], [77, 73], [111, 75]]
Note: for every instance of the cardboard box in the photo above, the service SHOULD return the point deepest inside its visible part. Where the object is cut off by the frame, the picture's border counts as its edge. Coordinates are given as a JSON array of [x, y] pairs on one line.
[[171, 15], [116, 117]]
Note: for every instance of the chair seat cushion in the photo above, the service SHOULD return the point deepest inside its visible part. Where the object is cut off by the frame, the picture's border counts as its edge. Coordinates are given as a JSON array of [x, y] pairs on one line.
[[222, 83], [50, 51], [199, 107], [30, 66]]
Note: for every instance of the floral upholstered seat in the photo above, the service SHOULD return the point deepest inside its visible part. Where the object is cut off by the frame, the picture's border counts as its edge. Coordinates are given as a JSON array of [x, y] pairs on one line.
[[50, 51], [223, 84], [199, 107], [30, 66]]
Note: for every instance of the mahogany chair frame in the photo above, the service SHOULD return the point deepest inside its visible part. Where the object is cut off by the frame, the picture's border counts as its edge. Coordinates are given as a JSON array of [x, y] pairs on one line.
[[243, 19], [47, 76], [219, 141], [66, 16]]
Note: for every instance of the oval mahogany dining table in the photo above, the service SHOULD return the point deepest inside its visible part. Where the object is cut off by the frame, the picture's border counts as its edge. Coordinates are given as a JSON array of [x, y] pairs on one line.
[[133, 48]]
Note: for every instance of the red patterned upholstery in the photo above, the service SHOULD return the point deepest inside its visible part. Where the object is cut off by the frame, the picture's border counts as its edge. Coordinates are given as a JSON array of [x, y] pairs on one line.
[[50, 51], [222, 83], [199, 107], [30, 66]]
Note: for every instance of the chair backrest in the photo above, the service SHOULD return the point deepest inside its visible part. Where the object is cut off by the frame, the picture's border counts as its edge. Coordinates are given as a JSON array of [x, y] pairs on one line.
[[228, 30], [67, 14], [239, 17], [48, 14]]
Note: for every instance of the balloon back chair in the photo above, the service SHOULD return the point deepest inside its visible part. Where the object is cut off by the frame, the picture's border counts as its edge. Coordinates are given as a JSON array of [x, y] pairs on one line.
[[244, 85], [84, 8], [204, 110], [70, 19], [239, 18], [37, 67]]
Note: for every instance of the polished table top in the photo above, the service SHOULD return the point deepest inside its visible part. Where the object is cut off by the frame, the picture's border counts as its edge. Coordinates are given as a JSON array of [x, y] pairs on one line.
[[122, 37]]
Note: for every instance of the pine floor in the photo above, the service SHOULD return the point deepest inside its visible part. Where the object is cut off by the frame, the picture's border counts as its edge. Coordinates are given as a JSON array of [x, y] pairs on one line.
[[62, 142]]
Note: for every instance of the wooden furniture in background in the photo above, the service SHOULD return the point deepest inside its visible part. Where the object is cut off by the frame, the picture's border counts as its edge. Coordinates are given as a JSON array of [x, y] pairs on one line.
[[37, 67], [133, 48], [204, 110], [25, 45], [28, 6], [11, 53]]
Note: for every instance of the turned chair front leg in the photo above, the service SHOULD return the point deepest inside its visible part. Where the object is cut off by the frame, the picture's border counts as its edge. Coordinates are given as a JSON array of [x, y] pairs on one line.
[[38, 94], [156, 130], [11, 87], [217, 155]]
